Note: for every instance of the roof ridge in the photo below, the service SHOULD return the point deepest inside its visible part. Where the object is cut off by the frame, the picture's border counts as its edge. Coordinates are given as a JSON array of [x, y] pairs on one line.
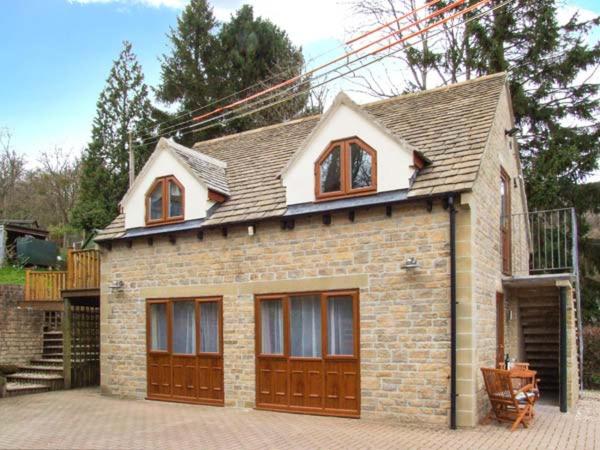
[[364, 105], [436, 89], [256, 130], [197, 154]]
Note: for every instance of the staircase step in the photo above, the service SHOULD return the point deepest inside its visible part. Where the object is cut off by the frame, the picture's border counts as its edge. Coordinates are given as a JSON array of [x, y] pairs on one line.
[[543, 330], [52, 381], [41, 368], [48, 361], [53, 341], [14, 389]]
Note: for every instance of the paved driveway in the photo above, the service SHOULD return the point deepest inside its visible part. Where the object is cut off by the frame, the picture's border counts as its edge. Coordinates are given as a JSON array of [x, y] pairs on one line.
[[83, 419]]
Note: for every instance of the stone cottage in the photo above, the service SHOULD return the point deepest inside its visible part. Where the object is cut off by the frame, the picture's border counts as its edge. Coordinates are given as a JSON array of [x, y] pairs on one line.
[[350, 264]]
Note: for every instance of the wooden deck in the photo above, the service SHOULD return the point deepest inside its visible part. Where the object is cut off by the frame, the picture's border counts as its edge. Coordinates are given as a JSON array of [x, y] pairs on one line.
[[82, 275]]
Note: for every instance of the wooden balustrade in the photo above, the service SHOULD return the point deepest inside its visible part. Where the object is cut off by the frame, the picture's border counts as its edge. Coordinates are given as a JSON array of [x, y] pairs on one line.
[[44, 286], [83, 268], [83, 272]]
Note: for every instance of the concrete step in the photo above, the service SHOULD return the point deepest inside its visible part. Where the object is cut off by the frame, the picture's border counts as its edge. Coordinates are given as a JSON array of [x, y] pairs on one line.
[[14, 389], [57, 370], [52, 381], [47, 361]]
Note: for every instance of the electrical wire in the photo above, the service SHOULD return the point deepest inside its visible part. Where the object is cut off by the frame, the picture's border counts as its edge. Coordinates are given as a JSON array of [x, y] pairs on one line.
[[277, 75], [222, 119]]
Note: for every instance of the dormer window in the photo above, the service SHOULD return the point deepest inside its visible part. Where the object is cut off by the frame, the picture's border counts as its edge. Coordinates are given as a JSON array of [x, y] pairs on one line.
[[165, 201], [346, 168]]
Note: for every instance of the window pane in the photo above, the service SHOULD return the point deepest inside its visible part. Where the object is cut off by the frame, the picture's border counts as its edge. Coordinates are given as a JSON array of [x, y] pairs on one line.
[[184, 327], [340, 326], [362, 162], [306, 326], [158, 326], [175, 200], [503, 202], [330, 171], [209, 327], [271, 319], [156, 202]]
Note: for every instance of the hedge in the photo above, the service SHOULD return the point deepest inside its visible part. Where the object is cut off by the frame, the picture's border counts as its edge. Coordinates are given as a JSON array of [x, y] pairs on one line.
[[591, 357]]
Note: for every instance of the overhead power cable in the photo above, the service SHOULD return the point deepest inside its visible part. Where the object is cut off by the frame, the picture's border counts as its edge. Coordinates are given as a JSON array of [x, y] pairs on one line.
[[336, 60], [189, 114], [217, 121]]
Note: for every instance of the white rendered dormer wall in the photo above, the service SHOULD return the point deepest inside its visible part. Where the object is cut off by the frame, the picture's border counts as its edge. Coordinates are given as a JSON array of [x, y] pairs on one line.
[[160, 165], [394, 161]]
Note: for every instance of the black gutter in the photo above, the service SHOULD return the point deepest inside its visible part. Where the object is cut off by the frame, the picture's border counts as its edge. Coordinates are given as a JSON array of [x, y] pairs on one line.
[[452, 211], [562, 387]]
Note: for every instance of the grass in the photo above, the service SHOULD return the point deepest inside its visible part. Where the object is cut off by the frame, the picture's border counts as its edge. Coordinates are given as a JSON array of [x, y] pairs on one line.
[[12, 275]]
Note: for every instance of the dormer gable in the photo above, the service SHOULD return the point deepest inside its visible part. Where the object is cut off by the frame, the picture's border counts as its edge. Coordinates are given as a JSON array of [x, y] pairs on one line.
[[176, 184], [349, 153]]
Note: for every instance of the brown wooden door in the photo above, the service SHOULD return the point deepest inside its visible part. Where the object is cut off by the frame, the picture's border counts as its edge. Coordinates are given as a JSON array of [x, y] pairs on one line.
[[500, 350], [185, 358], [307, 353]]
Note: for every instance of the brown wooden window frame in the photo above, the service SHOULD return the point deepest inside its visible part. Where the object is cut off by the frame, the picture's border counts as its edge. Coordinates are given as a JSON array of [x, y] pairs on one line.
[[345, 170], [505, 224], [164, 181]]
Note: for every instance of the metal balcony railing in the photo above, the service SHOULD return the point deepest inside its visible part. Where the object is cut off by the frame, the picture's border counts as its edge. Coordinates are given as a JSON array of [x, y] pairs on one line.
[[544, 242]]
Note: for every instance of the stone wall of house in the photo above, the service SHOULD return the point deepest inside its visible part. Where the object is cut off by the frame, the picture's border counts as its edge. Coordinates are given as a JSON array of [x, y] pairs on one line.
[[20, 328], [404, 316], [487, 261]]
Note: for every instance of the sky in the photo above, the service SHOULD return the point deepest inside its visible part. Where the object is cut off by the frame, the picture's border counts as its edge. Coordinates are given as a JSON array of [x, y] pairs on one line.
[[56, 54]]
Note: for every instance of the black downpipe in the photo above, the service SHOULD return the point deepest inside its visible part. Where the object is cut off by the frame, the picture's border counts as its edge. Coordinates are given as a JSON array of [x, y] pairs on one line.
[[562, 387], [452, 211]]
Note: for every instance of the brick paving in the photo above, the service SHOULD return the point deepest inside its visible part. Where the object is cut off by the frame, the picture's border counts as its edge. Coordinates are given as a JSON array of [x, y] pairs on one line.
[[83, 419]]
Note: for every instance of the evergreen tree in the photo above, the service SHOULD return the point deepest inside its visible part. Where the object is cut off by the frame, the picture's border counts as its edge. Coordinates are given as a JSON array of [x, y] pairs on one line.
[[185, 76], [254, 54], [210, 62], [123, 107]]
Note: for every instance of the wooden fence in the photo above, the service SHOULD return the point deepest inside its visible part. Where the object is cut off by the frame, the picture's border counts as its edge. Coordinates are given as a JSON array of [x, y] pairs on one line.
[[83, 272]]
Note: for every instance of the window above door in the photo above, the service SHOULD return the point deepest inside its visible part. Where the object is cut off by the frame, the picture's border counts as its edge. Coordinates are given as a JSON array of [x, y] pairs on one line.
[[165, 201], [346, 168]]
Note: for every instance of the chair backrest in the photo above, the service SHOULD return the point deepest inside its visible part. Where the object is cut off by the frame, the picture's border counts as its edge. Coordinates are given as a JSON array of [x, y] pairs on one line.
[[498, 385]]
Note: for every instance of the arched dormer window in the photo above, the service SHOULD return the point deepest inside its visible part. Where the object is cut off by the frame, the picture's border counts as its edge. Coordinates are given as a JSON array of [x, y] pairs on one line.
[[346, 168], [165, 201]]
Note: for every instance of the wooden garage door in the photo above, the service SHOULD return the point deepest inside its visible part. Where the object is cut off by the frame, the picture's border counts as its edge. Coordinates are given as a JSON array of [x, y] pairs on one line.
[[185, 357], [307, 353]]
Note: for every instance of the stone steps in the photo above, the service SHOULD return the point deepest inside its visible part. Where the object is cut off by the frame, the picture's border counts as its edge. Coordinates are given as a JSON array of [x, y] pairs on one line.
[[41, 374], [14, 389]]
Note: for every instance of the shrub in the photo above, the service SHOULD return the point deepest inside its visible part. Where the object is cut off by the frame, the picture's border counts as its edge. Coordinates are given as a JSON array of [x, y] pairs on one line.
[[8, 369], [591, 357]]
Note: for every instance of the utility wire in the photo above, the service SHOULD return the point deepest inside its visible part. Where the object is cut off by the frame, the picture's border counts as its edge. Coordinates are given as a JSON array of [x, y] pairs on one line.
[[283, 72], [222, 119], [336, 69]]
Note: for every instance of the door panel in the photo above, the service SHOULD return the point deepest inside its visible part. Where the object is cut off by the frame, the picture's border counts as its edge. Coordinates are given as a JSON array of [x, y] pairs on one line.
[[190, 375], [302, 327]]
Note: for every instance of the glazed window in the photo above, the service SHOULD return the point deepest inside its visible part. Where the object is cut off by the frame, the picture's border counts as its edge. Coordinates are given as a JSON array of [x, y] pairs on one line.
[[346, 168], [505, 222], [165, 201]]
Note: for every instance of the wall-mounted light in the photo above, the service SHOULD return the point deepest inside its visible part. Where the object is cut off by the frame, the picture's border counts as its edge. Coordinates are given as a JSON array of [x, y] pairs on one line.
[[251, 230], [116, 285], [411, 263]]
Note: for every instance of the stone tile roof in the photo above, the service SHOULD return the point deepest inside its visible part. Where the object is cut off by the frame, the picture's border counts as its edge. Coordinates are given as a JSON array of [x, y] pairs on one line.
[[449, 125], [209, 170]]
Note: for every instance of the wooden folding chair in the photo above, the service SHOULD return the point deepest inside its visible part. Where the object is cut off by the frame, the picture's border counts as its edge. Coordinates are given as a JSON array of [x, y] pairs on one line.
[[508, 404]]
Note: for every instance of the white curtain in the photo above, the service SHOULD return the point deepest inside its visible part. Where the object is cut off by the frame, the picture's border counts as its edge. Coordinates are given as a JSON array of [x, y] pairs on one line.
[[184, 327], [306, 326], [271, 319], [340, 326], [158, 324], [209, 327]]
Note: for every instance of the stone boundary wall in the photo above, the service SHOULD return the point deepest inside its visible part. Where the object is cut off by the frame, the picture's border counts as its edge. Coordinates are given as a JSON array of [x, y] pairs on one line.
[[20, 328]]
